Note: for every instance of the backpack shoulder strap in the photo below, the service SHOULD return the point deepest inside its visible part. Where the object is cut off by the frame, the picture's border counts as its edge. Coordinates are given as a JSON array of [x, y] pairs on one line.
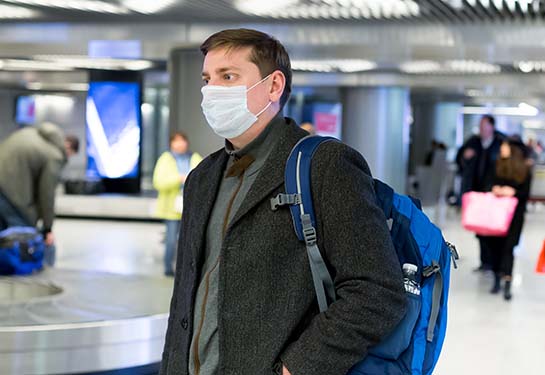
[[299, 197]]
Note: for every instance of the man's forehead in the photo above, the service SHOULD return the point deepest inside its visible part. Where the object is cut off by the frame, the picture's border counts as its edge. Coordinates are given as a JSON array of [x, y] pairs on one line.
[[228, 56]]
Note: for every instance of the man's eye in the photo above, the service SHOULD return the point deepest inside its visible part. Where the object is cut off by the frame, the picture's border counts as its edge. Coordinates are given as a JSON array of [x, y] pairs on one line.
[[205, 81], [228, 77]]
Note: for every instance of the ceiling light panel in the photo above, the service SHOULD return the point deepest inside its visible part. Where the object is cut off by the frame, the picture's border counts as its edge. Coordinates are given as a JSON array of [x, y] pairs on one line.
[[148, 6], [471, 67], [449, 67], [330, 9], [84, 62], [333, 65], [420, 67], [530, 66], [87, 5], [31, 65], [15, 12], [500, 5]]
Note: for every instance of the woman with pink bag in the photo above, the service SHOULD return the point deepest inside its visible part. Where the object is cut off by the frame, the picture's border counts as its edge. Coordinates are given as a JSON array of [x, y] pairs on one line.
[[512, 179]]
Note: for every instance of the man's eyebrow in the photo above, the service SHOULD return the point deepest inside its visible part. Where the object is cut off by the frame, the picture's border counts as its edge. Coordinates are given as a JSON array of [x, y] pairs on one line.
[[227, 68], [221, 70]]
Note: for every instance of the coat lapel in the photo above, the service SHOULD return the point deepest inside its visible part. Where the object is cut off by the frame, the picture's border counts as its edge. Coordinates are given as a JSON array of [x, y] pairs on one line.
[[211, 178], [271, 175]]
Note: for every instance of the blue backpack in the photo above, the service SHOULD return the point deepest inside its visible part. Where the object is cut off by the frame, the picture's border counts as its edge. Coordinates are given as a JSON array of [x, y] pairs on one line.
[[21, 251], [415, 344]]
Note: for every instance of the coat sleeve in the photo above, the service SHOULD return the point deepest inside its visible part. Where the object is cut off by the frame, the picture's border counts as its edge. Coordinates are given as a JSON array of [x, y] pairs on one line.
[[165, 177], [48, 180], [523, 190], [460, 161], [356, 243]]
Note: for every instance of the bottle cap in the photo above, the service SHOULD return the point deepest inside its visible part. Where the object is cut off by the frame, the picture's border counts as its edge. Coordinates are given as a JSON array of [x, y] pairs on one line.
[[408, 267]]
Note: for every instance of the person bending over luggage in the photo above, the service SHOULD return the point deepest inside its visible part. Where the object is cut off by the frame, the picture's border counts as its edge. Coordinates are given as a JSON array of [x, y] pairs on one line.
[[31, 160], [169, 177], [244, 300], [512, 180]]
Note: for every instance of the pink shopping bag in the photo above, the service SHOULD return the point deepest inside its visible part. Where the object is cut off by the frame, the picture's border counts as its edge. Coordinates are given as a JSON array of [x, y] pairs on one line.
[[487, 214]]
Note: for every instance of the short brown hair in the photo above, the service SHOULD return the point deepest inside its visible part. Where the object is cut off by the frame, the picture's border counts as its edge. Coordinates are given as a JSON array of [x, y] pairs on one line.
[[267, 52], [73, 142], [177, 134]]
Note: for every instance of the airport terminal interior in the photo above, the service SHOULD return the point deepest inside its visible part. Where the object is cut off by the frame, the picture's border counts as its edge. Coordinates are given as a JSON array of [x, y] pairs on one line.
[[404, 82]]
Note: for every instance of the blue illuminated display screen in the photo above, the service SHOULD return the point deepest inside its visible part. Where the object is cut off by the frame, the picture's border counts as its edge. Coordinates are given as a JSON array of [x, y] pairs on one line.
[[113, 129], [25, 113]]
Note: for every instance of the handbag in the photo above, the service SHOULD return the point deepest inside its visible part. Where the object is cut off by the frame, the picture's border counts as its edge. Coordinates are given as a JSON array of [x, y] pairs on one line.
[[486, 214]]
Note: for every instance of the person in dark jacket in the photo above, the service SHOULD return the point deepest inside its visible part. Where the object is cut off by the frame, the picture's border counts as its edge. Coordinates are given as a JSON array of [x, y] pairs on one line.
[[31, 160], [476, 161], [512, 179], [244, 300]]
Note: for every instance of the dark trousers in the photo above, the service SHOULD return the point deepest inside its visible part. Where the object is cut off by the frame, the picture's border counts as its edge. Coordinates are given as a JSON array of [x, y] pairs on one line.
[[501, 255], [487, 248], [171, 240], [9, 215]]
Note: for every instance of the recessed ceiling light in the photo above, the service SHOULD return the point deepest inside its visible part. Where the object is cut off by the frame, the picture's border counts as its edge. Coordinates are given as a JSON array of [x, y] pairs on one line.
[[92, 5], [31, 65], [329, 9], [148, 6], [523, 109], [260, 7], [341, 65], [449, 67], [530, 66], [85, 62], [420, 67], [15, 12]]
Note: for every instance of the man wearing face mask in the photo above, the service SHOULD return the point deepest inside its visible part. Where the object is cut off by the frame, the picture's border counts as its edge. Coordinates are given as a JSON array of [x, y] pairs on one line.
[[243, 300]]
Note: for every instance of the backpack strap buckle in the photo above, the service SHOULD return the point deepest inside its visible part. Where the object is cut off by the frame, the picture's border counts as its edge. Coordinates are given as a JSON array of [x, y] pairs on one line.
[[431, 270], [285, 200], [309, 232]]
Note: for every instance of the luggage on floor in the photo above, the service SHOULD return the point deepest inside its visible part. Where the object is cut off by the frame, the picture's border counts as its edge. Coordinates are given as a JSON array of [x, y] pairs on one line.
[[21, 251]]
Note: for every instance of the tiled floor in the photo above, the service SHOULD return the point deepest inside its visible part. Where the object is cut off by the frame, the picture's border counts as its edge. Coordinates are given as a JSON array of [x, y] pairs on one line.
[[486, 334]]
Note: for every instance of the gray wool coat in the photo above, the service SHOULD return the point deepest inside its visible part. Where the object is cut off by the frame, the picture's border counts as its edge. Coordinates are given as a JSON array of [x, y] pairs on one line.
[[268, 314]]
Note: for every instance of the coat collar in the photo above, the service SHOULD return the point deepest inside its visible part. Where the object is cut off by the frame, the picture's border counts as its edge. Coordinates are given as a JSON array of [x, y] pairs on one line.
[[269, 178], [211, 174], [271, 174]]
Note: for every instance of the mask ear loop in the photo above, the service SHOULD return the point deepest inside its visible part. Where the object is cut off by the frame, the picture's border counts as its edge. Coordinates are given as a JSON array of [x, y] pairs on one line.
[[264, 109], [257, 83], [268, 105]]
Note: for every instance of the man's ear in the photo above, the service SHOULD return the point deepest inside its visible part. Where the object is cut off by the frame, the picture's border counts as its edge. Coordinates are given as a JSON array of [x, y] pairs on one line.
[[278, 83]]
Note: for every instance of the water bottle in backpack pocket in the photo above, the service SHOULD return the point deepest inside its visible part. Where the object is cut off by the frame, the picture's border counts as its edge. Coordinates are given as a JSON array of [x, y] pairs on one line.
[[398, 341]]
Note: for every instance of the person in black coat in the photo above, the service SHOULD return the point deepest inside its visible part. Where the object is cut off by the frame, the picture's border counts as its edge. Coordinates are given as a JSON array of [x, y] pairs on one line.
[[512, 179], [476, 161]]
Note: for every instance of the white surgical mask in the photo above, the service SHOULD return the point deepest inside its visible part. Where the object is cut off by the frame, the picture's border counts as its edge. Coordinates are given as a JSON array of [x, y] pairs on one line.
[[226, 109]]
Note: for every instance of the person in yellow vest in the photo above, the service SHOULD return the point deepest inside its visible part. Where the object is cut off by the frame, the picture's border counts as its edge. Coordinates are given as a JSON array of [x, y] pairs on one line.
[[169, 178]]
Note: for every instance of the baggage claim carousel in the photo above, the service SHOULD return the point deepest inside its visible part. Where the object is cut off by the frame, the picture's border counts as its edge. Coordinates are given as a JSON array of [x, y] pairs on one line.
[[73, 322]]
